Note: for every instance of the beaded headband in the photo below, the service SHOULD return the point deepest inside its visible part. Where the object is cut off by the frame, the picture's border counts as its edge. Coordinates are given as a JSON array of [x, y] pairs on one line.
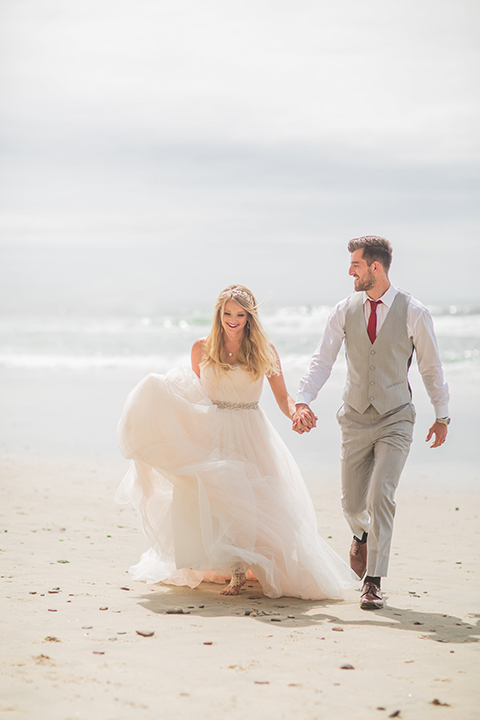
[[238, 291]]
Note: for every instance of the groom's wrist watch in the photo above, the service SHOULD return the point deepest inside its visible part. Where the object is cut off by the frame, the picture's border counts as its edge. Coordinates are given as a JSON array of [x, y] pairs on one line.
[[443, 421]]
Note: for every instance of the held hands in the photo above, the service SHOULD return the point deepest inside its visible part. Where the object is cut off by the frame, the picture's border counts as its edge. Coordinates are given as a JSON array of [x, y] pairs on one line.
[[303, 419], [439, 430]]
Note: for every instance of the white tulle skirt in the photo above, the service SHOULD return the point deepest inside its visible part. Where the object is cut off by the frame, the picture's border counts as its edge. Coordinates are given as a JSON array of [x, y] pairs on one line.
[[217, 488]]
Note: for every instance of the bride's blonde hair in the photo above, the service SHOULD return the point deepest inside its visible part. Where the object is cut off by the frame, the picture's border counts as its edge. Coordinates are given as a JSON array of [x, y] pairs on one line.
[[255, 355]]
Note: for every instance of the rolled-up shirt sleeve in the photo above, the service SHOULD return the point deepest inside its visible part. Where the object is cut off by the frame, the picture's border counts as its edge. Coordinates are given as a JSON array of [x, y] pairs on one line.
[[324, 356], [422, 331]]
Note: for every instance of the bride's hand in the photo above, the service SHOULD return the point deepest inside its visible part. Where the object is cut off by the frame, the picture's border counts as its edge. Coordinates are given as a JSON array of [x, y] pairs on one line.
[[298, 427], [303, 419]]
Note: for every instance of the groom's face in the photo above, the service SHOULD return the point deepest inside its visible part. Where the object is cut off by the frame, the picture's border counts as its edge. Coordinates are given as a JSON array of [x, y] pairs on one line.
[[364, 279]]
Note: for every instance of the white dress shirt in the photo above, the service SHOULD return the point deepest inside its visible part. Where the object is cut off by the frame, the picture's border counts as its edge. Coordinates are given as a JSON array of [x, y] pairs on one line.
[[420, 329]]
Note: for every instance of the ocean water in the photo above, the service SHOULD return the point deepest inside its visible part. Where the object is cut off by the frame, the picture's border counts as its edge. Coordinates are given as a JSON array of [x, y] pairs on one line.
[[154, 343], [64, 377]]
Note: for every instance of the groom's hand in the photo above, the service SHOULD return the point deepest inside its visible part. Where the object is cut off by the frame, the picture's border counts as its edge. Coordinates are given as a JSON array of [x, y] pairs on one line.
[[298, 427], [439, 433], [303, 418]]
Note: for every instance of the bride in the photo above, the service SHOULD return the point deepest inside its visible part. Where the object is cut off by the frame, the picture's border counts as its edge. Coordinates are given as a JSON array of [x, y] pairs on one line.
[[220, 497]]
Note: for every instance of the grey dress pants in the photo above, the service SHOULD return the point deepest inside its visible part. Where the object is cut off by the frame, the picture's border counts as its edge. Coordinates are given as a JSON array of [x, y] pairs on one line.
[[373, 453]]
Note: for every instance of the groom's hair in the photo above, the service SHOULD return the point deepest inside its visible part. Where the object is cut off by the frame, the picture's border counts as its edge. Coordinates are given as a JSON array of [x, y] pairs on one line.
[[375, 249]]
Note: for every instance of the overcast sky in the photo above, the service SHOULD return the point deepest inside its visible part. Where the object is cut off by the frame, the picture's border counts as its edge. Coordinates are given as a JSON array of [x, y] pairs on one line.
[[262, 134]]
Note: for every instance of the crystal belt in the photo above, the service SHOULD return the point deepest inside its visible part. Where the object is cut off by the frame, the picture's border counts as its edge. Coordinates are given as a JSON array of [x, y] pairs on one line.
[[235, 406]]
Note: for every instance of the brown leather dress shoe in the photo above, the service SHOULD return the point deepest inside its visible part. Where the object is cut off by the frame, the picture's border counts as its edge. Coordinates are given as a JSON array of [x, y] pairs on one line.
[[358, 557], [371, 597]]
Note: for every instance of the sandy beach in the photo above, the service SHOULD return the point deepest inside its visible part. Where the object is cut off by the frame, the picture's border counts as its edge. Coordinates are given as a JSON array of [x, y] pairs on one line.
[[71, 616]]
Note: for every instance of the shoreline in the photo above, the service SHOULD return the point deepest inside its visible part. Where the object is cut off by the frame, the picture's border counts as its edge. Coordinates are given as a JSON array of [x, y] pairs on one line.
[[58, 415]]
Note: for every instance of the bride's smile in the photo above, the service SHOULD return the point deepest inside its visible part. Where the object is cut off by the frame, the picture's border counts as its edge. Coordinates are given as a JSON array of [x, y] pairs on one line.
[[234, 317]]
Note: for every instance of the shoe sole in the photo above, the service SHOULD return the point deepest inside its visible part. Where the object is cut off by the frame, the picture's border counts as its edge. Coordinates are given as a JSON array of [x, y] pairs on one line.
[[364, 572], [370, 606], [356, 573], [360, 577]]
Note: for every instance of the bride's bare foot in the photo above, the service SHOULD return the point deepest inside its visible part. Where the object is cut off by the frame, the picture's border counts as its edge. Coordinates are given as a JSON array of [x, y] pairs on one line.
[[235, 585]]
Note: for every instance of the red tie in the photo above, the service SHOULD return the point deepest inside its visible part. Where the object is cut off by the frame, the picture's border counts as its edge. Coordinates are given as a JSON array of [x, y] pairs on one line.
[[372, 320]]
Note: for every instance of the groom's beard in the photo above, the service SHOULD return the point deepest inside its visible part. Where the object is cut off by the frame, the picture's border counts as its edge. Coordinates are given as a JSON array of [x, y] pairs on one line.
[[365, 283]]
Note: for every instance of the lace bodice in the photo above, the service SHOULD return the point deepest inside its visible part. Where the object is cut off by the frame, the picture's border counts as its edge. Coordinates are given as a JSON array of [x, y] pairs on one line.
[[234, 386]]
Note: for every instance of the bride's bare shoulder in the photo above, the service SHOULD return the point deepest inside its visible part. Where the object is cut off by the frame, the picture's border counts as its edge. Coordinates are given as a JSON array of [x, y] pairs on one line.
[[199, 346], [198, 354]]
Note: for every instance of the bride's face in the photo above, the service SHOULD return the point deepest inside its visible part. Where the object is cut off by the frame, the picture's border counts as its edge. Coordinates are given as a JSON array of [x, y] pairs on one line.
[[234, 319]]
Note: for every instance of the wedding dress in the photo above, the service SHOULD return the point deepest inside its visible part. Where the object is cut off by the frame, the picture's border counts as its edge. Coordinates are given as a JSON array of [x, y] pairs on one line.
[[216, 487]]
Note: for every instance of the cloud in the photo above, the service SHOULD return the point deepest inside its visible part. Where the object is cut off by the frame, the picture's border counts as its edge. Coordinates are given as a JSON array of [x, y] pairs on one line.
[[186, 125], [398, 78]]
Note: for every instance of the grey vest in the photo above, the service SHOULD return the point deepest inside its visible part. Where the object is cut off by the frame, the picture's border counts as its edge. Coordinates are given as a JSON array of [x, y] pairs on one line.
[[377, 374]]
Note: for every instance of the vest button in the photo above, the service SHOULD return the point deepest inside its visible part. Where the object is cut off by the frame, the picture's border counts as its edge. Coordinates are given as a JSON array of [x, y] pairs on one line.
[[371, 398], [372, 352], [371, 382], [372, 367]]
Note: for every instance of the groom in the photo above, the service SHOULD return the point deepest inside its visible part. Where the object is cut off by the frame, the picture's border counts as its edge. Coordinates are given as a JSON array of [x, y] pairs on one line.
[[381, 327]]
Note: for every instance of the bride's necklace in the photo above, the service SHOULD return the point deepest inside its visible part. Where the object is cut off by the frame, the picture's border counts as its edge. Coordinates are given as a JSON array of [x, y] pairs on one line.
[[231, 354], [231, 358]]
